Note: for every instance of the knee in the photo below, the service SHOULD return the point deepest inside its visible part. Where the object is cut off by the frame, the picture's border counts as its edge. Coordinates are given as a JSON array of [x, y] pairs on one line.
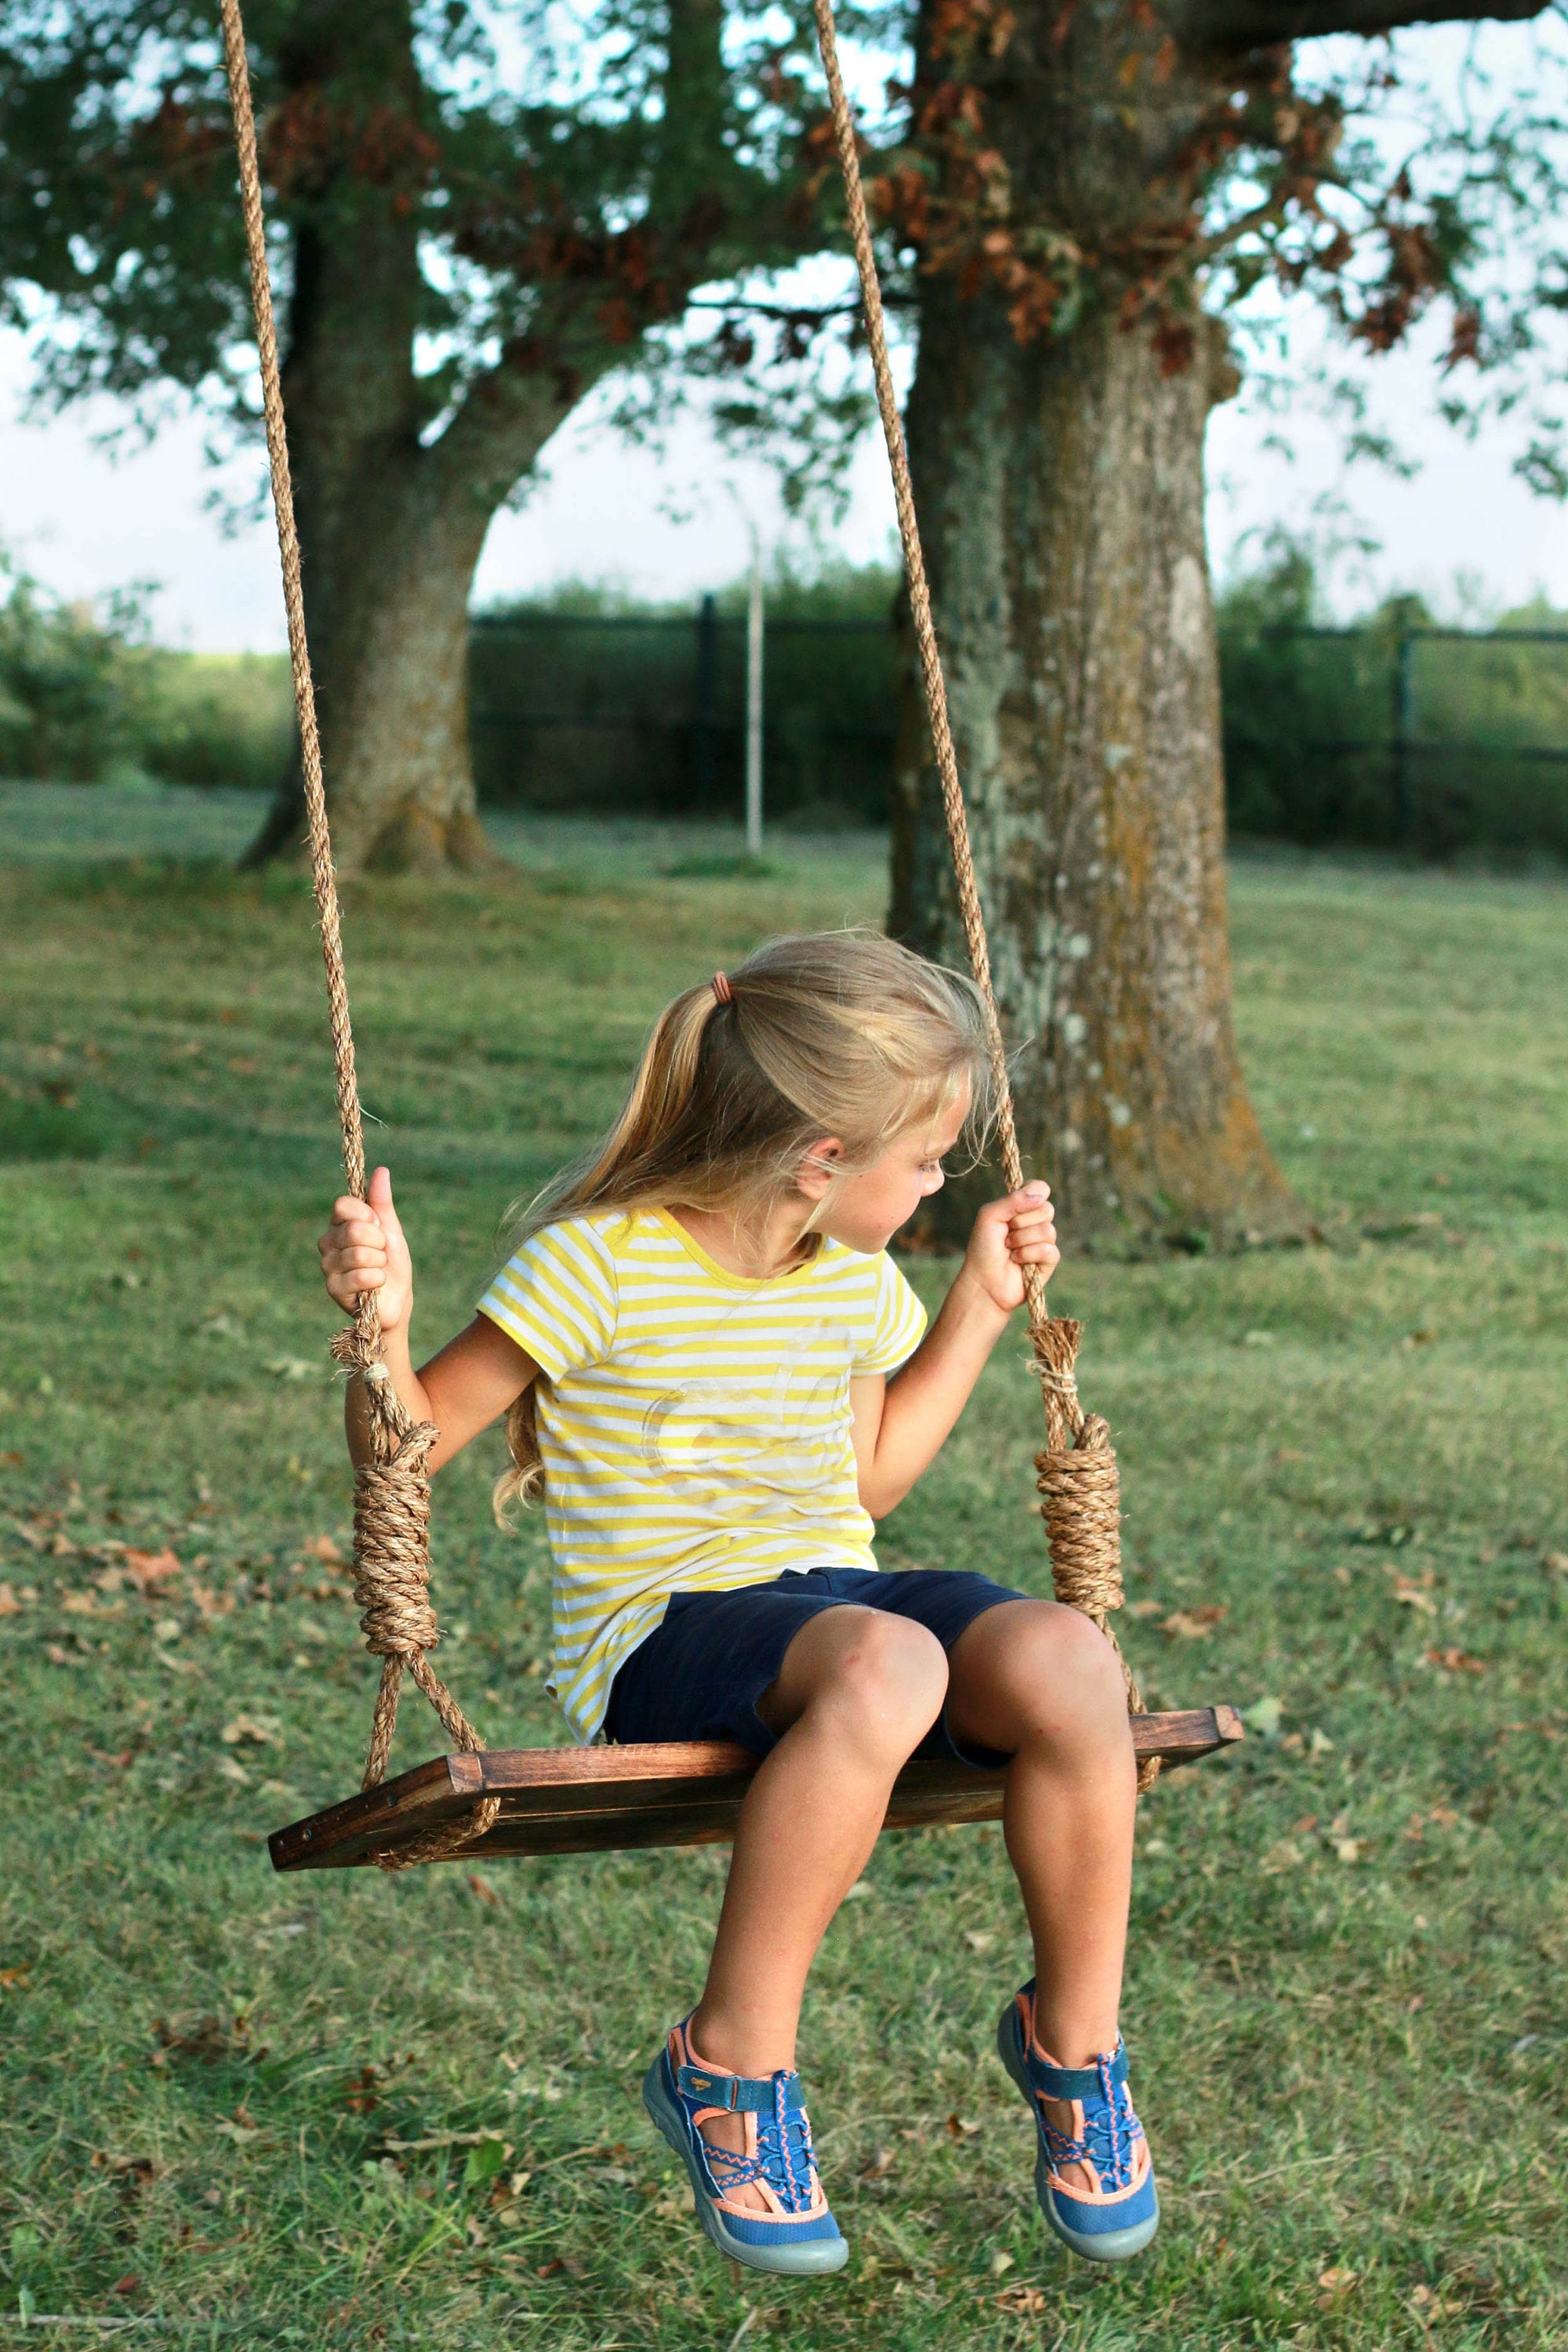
[[1061, 1674], [887, 1686]]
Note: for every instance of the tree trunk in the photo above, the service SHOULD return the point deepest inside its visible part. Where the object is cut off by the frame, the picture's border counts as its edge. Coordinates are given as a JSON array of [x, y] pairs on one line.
[[389, 634], [1059, 483]]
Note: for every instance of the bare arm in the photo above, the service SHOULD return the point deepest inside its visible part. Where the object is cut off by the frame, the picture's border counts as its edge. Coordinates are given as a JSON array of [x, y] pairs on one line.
[[898, 1426], [476, 1378]]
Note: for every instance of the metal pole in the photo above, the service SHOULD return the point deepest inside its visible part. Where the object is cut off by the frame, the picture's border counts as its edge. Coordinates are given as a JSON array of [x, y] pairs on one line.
[[754, 706]]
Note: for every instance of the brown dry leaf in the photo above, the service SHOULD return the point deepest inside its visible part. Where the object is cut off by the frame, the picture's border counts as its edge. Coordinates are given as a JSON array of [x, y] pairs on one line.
[[1428, 2304], [58, 1657], [1284, 1854], [979, 1939], [1334, 2284], [1027, 2302], [9, 1604], [207, 2038], [881, 2165], [15, 1980], [481, 1888], [1192, 1624], [78, 1604], [1453, 1661], [266, 1731], [1557, 1562], [1144, 1607], [960, 2128], [323, 1548], [1350, 1849], [147, 1569]]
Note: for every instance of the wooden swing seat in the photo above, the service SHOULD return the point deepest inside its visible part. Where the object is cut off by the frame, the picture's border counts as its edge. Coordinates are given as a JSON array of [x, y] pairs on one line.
[[603, 1799]]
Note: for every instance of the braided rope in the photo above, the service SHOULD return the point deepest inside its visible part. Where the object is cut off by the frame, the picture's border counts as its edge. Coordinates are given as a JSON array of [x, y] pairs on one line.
[[392, 1492], [1077, 1470]]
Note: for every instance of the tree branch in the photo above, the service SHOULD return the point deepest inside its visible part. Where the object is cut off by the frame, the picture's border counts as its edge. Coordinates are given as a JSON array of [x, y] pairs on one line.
[[1233, 25]]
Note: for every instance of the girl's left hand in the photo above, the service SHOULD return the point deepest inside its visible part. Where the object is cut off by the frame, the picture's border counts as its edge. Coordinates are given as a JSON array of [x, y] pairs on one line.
[[1009, 1236]]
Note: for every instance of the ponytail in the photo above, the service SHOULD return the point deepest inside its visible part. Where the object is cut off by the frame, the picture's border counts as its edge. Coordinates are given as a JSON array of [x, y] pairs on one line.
[[835, 1033]]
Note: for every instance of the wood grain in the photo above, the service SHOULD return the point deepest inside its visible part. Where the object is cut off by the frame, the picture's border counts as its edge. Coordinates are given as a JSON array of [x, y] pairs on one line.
[[605, 1799]]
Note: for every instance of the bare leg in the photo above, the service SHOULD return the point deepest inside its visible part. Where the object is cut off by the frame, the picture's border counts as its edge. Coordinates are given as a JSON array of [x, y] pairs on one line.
[[857, 1694], [1041, 1684]]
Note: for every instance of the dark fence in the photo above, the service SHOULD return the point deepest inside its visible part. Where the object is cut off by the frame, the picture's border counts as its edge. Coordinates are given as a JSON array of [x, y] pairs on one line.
[[648, 713], [1429, 740], [1417, 738]]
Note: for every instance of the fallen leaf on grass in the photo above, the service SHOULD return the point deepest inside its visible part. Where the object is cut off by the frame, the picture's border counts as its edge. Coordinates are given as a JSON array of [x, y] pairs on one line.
[[1350, 1849], [207, 2038], [58, 1657], [292, 1368], [1284, 1854], [264, 1729], [9, 1604], [960, 2129], [1557, 1562], [1144, 1607], [1452, 1661], [150, 1567], [1264, 1717], [1332, 2285], [1192, 1624], [323, 1548], [481, 1888], [1000, 2265], [1411, 1595], [1027, 2302], [1428, 2304], [15, 1980], [979, 1939], [230, 1769]]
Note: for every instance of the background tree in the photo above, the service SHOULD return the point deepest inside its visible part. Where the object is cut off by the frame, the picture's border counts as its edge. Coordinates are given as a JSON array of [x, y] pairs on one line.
[[1086, 189], [460, 264]]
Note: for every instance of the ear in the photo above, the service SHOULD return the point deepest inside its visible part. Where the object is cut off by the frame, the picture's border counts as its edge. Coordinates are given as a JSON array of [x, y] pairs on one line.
[[816, 1171]]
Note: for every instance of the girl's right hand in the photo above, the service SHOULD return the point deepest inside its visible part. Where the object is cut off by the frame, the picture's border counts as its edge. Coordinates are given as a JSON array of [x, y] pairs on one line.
[[363, 1249]]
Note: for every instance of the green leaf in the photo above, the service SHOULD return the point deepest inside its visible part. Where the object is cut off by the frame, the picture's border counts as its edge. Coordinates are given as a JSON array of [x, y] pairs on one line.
[[484, 2162]]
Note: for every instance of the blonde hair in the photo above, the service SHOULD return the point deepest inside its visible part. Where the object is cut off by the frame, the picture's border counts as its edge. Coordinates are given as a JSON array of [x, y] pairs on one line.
[[830, 1033]]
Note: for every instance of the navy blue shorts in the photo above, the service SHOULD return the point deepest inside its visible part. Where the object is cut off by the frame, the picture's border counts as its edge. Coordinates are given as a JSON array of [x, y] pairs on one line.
[[700, 1672]]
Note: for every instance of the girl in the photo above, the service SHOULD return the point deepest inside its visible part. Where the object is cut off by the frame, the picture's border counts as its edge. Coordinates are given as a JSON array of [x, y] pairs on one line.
[[708, 1361]]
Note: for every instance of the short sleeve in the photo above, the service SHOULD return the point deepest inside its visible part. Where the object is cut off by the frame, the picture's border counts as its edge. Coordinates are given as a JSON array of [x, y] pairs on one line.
[[898, 1322], [558, 1297]]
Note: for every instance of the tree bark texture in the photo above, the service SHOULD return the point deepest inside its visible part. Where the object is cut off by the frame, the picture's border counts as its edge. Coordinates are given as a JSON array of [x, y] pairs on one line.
[[393, 518], [391, 532], [1060, 486]]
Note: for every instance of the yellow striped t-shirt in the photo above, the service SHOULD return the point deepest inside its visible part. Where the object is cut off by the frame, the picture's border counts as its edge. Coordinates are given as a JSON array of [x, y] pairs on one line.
[[694, 1423]]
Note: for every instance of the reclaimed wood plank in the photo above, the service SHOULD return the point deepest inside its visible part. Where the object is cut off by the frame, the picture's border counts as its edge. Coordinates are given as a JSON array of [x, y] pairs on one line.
[[616, 1798]]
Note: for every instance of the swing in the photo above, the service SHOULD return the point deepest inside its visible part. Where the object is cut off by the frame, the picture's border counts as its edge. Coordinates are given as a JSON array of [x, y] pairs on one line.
[[482, 1801]]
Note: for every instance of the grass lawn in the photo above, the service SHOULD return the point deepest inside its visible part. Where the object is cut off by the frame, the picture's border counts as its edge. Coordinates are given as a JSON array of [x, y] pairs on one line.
[[352, 2110]]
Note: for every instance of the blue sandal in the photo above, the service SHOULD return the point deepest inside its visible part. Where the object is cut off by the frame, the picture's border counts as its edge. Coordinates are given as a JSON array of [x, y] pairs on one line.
[[797, 2237], [1114, 2219]]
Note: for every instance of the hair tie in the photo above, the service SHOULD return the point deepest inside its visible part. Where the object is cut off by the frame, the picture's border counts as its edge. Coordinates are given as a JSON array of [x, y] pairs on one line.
[[723, 990]]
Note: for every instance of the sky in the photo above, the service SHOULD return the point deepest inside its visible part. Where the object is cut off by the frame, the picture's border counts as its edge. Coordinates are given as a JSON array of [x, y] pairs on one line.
[[88, 508]]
